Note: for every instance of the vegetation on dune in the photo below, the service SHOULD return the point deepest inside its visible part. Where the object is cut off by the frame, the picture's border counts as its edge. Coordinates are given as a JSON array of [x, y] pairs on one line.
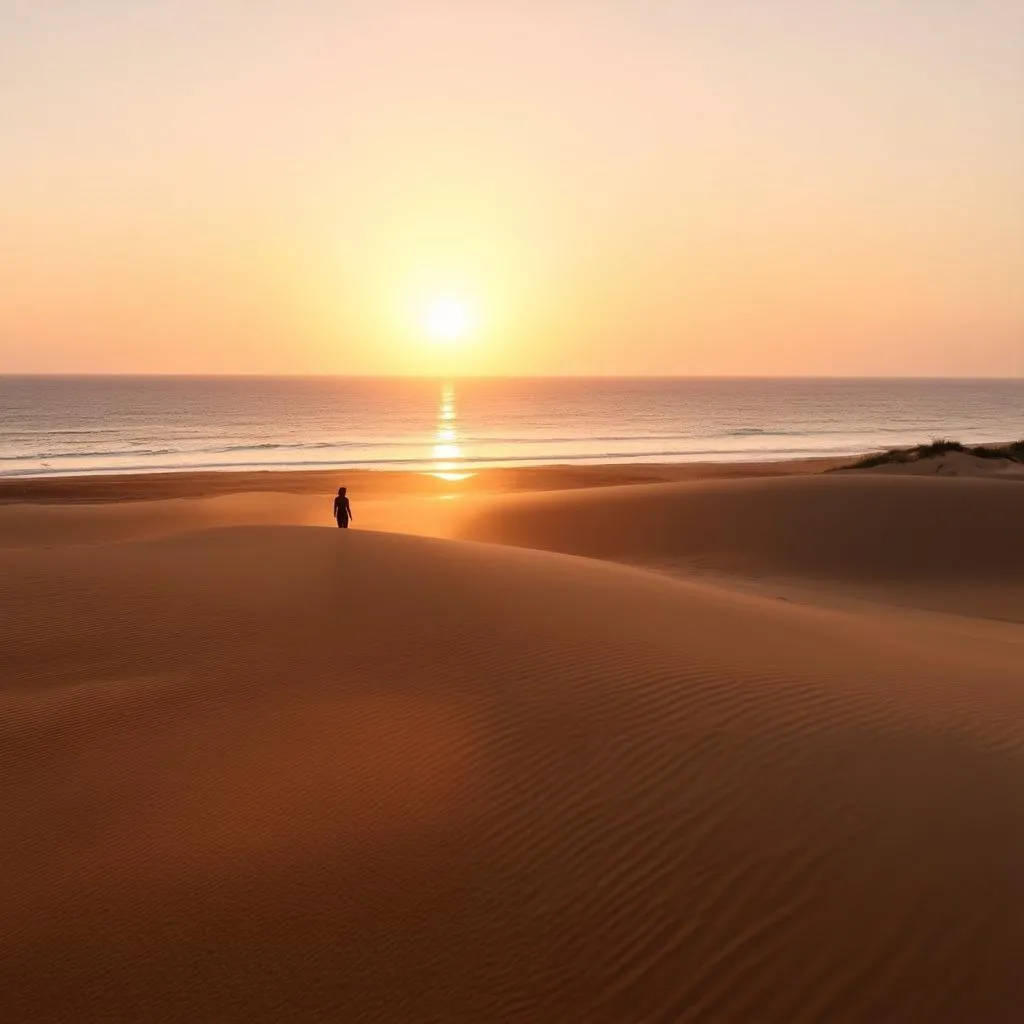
[[880, 459], [940, 446], [984, 452]]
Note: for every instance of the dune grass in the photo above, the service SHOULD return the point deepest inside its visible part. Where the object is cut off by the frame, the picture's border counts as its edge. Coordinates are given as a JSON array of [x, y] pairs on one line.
[[1013, 452]]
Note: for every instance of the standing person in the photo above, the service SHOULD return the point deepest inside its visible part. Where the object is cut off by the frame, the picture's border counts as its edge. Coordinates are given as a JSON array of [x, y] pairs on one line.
[[342, 509]]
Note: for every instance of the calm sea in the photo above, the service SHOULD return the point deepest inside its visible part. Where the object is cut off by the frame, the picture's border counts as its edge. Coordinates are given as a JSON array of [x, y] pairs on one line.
[[55, 425]]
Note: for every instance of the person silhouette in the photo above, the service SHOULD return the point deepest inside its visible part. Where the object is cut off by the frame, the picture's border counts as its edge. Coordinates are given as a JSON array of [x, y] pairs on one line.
[[342, 509]]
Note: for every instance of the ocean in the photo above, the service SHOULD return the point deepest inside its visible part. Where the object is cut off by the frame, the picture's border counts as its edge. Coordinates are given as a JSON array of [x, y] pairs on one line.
[[71, 425]]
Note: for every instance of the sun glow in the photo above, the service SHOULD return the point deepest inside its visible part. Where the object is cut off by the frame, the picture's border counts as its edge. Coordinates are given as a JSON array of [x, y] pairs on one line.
[[447, 450], [448, 320]]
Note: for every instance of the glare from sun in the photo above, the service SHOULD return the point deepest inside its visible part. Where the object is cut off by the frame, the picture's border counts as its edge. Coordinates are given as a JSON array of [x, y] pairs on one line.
[[448, 320]]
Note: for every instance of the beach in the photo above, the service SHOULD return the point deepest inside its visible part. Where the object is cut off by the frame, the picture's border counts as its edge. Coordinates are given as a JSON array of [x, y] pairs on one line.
[[735, 742]]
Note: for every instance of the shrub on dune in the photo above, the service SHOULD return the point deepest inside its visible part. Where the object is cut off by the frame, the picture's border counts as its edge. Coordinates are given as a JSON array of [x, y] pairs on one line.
[[940, 446]]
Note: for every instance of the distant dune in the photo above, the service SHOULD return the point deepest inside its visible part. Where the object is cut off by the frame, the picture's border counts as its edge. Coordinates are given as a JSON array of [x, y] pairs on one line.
[[843, 528], [278, 772], [947, 458], [930, 543]]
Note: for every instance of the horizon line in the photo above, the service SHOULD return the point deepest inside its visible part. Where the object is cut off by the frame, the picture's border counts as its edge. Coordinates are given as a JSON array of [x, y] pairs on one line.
[[503, 376]]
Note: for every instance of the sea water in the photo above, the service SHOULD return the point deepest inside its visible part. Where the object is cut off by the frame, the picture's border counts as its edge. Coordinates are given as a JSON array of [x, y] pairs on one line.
[[70, 425]]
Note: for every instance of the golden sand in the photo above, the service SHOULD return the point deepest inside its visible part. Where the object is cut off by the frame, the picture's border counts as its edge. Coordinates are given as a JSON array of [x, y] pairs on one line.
[[768, 769]]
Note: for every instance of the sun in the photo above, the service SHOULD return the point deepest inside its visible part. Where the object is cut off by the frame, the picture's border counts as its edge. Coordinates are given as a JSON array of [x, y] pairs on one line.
[[448, 320]]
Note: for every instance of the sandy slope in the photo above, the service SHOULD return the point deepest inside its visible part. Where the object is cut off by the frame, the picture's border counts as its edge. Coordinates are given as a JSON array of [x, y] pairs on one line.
[[276, 772], [843, 527], [57, 511], [952, 545], [31, 525]]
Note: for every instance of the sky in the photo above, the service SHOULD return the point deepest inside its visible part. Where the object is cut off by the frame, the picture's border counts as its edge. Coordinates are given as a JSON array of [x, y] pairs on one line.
[[780, 187]]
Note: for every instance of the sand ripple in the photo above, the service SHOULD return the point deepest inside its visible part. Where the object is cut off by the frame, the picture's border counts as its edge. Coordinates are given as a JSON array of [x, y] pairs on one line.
[[278, 773]]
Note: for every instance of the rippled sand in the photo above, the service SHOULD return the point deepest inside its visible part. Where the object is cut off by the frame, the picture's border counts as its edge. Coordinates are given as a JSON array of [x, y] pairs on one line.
[[275, 772]]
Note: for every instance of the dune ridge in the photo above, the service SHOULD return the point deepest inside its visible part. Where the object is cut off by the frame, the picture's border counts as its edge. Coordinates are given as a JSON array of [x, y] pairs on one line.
[[939, 544], [845, 527]]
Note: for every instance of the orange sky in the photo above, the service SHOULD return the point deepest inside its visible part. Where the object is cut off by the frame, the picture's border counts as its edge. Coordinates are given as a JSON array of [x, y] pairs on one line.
[[638, 187]]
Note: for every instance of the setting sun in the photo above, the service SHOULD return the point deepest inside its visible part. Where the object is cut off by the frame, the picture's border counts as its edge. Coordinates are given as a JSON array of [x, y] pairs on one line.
[[448, 320]]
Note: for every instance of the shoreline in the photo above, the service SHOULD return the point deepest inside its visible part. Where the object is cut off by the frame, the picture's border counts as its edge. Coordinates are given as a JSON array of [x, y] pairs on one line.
[[375, 483]]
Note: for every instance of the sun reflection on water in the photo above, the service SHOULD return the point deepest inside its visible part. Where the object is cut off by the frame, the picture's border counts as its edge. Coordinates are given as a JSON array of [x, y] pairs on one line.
[[447, 450]]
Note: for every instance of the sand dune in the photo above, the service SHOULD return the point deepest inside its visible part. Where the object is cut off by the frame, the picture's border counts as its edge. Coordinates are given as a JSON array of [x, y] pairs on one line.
[[60, 511], [273, 772], [838, 527], [284, 773], [932, 543], [31, 525], [848, 527], [937, 544], [961, 464]]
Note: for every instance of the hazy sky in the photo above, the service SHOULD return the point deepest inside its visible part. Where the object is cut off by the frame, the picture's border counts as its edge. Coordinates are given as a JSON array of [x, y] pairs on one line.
[[616, 186]]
